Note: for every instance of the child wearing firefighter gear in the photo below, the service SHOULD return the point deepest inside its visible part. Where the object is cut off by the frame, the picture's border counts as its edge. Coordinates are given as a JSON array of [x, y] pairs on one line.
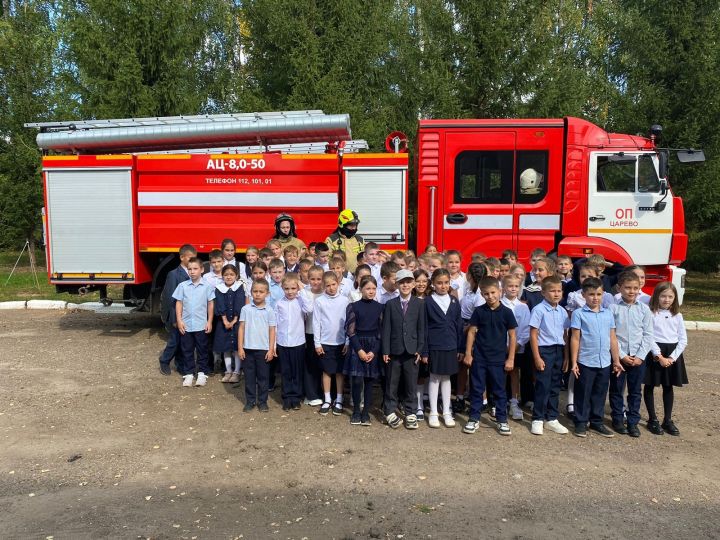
[[346, 238], [167, 309], [285, 232]]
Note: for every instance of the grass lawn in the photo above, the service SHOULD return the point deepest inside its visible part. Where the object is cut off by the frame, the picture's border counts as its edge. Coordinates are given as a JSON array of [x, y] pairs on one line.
[[702, 291], [22, 285]]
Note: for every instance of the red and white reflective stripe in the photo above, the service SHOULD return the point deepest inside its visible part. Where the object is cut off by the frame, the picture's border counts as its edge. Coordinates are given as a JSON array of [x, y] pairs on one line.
[[544, 222], [234, 199], [482, 221], [527, 222]]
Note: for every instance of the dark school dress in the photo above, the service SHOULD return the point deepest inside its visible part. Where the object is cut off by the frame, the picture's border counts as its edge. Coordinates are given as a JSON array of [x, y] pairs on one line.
[[363, 325], [444, 336], [673, 375], [228, 303]]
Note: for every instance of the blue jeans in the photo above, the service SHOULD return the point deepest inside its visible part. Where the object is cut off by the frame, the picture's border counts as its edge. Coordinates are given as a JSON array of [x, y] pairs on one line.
[[492, 375], [548, 383], [591, 387], [634, 377], [256, 377]]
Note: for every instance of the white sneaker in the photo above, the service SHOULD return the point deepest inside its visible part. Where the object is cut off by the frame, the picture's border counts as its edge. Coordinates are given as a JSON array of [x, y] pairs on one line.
[[449, 421], [201, 380], [187, 380], [557, 427], [536, 428], [515, 411], [433, 421], [315, 402]]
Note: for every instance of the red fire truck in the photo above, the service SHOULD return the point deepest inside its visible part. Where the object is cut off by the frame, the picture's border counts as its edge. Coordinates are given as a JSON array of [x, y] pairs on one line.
[[121, 196]]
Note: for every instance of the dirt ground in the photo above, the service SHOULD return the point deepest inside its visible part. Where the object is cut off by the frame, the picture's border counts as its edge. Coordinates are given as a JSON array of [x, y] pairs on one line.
[[97, 443]]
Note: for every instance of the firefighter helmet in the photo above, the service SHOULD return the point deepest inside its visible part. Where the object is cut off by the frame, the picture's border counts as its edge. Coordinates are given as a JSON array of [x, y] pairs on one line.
[[284, 217], [348, 217], [531, 182]]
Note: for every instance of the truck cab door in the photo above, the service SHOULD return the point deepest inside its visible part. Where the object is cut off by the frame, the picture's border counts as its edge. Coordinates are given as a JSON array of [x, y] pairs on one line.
[[477, 209], [626, 206]]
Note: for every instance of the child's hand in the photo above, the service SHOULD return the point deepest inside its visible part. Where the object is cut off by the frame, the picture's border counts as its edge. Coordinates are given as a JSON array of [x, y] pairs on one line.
[[617, 368], [627, 360], [566, 365], [319, 350], [468, 360], [509, 365], [228, 326], [539, 364], [576, 371], [241, 353], [418, 358], [269, 356], [386, 358], [181, 327], [664, 362], [424, 359], [460, 357], [363, 356], [208, 328], [345, 350]]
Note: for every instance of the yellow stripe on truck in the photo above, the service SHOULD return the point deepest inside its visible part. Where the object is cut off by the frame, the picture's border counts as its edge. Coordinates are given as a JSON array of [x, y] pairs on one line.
[[630, 231]]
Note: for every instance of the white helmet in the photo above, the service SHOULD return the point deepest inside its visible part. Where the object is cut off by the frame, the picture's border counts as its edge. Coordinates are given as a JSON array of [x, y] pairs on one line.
[[531, 182]]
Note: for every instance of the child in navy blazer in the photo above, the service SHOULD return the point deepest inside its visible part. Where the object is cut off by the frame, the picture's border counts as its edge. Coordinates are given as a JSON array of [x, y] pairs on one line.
[[444, 339]]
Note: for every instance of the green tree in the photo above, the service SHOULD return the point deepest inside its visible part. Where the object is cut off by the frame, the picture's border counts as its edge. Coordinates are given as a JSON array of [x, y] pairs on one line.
[[149, 57], [28, 93]]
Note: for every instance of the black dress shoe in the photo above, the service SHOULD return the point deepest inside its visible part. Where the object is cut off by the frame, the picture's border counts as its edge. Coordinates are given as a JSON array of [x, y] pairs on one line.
[[620, 428], [600, 429], [165, 369], [633, 430], [671, 428], [654, 427]]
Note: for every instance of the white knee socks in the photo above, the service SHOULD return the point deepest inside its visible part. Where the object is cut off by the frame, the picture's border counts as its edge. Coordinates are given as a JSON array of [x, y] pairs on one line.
[[439, 384]]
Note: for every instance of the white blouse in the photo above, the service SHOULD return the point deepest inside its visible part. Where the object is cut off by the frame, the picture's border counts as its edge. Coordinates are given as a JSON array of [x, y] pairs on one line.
[[443, 301], [669, 328]]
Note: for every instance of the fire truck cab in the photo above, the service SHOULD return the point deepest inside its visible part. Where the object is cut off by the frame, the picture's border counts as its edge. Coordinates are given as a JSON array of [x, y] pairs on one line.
[[564, 185]]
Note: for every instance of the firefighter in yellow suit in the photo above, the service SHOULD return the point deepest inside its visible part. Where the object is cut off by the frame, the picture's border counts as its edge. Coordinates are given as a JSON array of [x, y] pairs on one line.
[[346, 238]]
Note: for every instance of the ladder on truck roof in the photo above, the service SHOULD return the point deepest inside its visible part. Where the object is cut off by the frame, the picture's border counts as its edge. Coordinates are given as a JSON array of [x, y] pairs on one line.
[[218, 132]]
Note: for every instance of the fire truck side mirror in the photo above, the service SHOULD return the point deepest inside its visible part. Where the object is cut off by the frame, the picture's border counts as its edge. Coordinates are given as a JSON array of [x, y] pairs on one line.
[[691, 156]]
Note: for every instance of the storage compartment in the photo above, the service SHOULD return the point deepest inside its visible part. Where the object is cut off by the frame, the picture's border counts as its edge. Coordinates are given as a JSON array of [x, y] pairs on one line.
[[90, 221], [379, 197]]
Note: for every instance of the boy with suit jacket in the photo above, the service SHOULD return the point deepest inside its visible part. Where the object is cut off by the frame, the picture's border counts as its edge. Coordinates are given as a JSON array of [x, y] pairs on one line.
[[167, 307], [402, 342]]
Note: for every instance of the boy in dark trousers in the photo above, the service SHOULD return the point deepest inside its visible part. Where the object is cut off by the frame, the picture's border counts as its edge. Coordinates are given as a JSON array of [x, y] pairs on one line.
[[402, 342], [167, 308], [491, 355]]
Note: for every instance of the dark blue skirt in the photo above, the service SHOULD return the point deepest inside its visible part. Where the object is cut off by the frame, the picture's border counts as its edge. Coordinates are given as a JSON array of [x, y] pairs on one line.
[[356, 367]]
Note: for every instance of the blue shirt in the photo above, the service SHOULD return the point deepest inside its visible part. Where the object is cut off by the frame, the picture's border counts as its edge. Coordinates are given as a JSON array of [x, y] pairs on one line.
[[634, 328], [492, 333], [276, 293], [258, 321], [194, 298], [551, 323], [594, 329]]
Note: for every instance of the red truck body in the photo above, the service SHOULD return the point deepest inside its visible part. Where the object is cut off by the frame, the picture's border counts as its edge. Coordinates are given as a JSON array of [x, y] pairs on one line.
[[564, 185]]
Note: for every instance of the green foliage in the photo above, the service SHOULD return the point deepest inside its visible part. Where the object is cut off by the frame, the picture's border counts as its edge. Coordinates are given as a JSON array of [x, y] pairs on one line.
[[148, 57], [27, 93]]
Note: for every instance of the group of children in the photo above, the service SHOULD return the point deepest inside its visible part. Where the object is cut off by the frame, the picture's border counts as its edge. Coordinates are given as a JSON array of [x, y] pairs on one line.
[[419, 325]]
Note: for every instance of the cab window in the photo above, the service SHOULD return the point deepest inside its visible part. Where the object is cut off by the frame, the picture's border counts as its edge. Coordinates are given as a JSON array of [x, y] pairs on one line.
[[648, 181], [484, 177], [532, 181], [616, 174]]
